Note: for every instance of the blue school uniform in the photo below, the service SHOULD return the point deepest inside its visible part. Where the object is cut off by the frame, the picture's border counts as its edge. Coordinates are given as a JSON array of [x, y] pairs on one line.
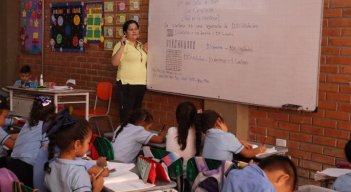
[[31, 147], [342, 183], [220, 145], [68, 175], [3, 137], [128, 143], [251, 178]]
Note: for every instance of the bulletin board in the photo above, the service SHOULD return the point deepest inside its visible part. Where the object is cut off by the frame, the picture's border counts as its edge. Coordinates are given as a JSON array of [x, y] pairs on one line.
[[94, 22], [67, 26], [31, 26]]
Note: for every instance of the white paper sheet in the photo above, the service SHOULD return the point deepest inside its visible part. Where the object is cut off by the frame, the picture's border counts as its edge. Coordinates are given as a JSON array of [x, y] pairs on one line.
[[334, 172], [128, 186]]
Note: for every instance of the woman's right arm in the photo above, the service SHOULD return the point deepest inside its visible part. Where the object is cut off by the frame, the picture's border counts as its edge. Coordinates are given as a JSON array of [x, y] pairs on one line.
[[116, 58]]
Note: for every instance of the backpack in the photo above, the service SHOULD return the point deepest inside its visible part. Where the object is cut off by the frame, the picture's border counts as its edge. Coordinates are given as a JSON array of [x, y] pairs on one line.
[[100, 146], [210, 180], [7, 178]]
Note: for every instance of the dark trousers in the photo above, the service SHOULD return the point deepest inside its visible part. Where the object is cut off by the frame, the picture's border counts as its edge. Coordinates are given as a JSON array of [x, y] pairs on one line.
[[130, 98]]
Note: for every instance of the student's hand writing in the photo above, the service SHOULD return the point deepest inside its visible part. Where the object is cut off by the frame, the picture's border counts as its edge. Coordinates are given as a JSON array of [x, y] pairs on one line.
[[98, 183], [101, 162], [261, 149], [246, 144]]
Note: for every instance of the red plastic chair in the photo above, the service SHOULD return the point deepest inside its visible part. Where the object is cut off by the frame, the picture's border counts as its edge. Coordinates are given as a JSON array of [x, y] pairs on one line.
[[103, 93]]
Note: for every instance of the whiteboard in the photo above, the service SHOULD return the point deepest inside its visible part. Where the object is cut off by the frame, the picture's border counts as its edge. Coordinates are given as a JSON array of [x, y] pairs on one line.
[[261, 52]]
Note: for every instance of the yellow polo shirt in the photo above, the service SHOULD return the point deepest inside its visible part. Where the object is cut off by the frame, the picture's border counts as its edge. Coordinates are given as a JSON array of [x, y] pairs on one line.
[[132, 68]]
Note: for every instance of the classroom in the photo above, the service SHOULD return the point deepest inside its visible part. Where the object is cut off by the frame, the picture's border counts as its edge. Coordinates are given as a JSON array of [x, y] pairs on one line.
[[274, 73]]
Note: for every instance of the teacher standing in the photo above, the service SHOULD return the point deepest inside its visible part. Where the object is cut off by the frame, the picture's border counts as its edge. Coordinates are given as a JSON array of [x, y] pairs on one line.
[[130, 55]]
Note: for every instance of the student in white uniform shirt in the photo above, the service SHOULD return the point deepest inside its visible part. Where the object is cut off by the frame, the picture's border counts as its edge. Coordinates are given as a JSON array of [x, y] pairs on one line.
[[133, 134], [68, 171], [31, 144], [219, 143]]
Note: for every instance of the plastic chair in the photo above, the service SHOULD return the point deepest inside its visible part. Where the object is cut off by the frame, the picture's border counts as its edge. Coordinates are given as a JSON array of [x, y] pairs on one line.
[[191, 168], [103, 93], [175, 170], [20, 187]]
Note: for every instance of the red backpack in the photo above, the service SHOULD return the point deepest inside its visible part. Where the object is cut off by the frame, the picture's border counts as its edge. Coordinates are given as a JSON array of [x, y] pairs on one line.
[[93, 152]]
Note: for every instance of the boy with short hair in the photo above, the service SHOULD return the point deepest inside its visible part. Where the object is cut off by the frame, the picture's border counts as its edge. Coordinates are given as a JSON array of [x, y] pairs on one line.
[[343, 182], [274, 173], [25, 74], [5, 139]]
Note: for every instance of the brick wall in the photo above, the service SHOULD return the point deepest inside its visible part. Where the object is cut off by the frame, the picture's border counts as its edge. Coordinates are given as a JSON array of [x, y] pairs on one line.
[[316, 140]]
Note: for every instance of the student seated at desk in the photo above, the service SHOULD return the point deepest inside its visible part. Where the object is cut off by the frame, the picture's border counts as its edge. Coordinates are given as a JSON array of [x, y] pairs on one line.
[[31, 144], [185, 139], [343, 182], [219, 144], [68, 171], [25, 74], [6, 140], [131, 135], [273, 174]]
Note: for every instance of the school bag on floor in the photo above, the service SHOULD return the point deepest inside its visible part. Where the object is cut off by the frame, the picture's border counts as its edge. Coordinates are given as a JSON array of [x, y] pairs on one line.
[[210, 180]]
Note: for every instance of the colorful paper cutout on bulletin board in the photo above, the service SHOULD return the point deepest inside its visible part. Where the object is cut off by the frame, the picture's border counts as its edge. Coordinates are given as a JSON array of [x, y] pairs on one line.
[[134, 5], [108, 19], [108, 44], [120, 18], [94, 22], [135, 17], [108, 31], [31, 26], [121, 6], [67, 26], [109, 6]]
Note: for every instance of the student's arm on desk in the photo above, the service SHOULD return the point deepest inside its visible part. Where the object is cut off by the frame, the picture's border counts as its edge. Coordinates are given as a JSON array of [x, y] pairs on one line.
[[251, 153], [160, 138]]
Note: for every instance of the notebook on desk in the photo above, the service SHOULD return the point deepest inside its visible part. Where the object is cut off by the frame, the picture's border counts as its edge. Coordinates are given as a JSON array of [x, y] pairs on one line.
[[269, 151]]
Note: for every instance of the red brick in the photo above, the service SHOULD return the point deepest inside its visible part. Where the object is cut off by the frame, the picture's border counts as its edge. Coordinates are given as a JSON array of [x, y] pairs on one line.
[[346, 70], [279, 116], [333, 13], [324, 122], [300, 137], [293, 144], [338, 97], [337, 133], [278, 133], [345, 51], [345, 89], [346, 32], [299, 154], [300, 119], [329, 69], [333, 152], [257, 130], [330, 50], [324, 140], [338, 59], [340, 3], [289, 126], [341, 143], [310, 165], [303, 173], [311, 148], [345, 13], [267, 123], [339, 22], [323, 159], [331, 32], [344, 107], [344, 125], [337, 115], [312, 130], [258, 114], [327, 105]]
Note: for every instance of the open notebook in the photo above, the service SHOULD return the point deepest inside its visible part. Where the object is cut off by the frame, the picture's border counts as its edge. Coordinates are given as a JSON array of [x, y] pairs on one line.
[[269, 151], [123, 179]]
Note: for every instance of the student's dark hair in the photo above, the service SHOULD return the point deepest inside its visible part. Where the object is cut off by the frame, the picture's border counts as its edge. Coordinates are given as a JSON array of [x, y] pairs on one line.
[[25, 69], [209, 119], [187, 117], [136, 117], [41, 111], [279, 162], [127, 23], [347, 150], [63, 131], [3, 104]]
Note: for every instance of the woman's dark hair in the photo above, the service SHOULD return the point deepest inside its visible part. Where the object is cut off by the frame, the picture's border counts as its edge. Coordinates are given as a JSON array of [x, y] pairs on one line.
[[347, 150], [65, 134], [40, 112], [187, 117], [209, 119], [136, 117], [25, 69], [127, 23], [279, 162]]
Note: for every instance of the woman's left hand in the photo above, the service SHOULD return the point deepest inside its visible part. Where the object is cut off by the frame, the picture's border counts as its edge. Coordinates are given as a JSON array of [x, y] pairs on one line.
[[145, 47]]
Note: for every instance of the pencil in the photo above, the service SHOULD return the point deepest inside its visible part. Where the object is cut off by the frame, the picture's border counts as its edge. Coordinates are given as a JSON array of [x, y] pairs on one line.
[[99, 173]]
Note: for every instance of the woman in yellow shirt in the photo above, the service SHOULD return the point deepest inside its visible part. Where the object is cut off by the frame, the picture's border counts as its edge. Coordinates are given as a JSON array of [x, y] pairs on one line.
[[129, 56]]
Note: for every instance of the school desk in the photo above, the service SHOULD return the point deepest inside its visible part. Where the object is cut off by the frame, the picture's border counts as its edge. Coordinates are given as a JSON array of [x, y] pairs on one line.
[[75, 95]]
